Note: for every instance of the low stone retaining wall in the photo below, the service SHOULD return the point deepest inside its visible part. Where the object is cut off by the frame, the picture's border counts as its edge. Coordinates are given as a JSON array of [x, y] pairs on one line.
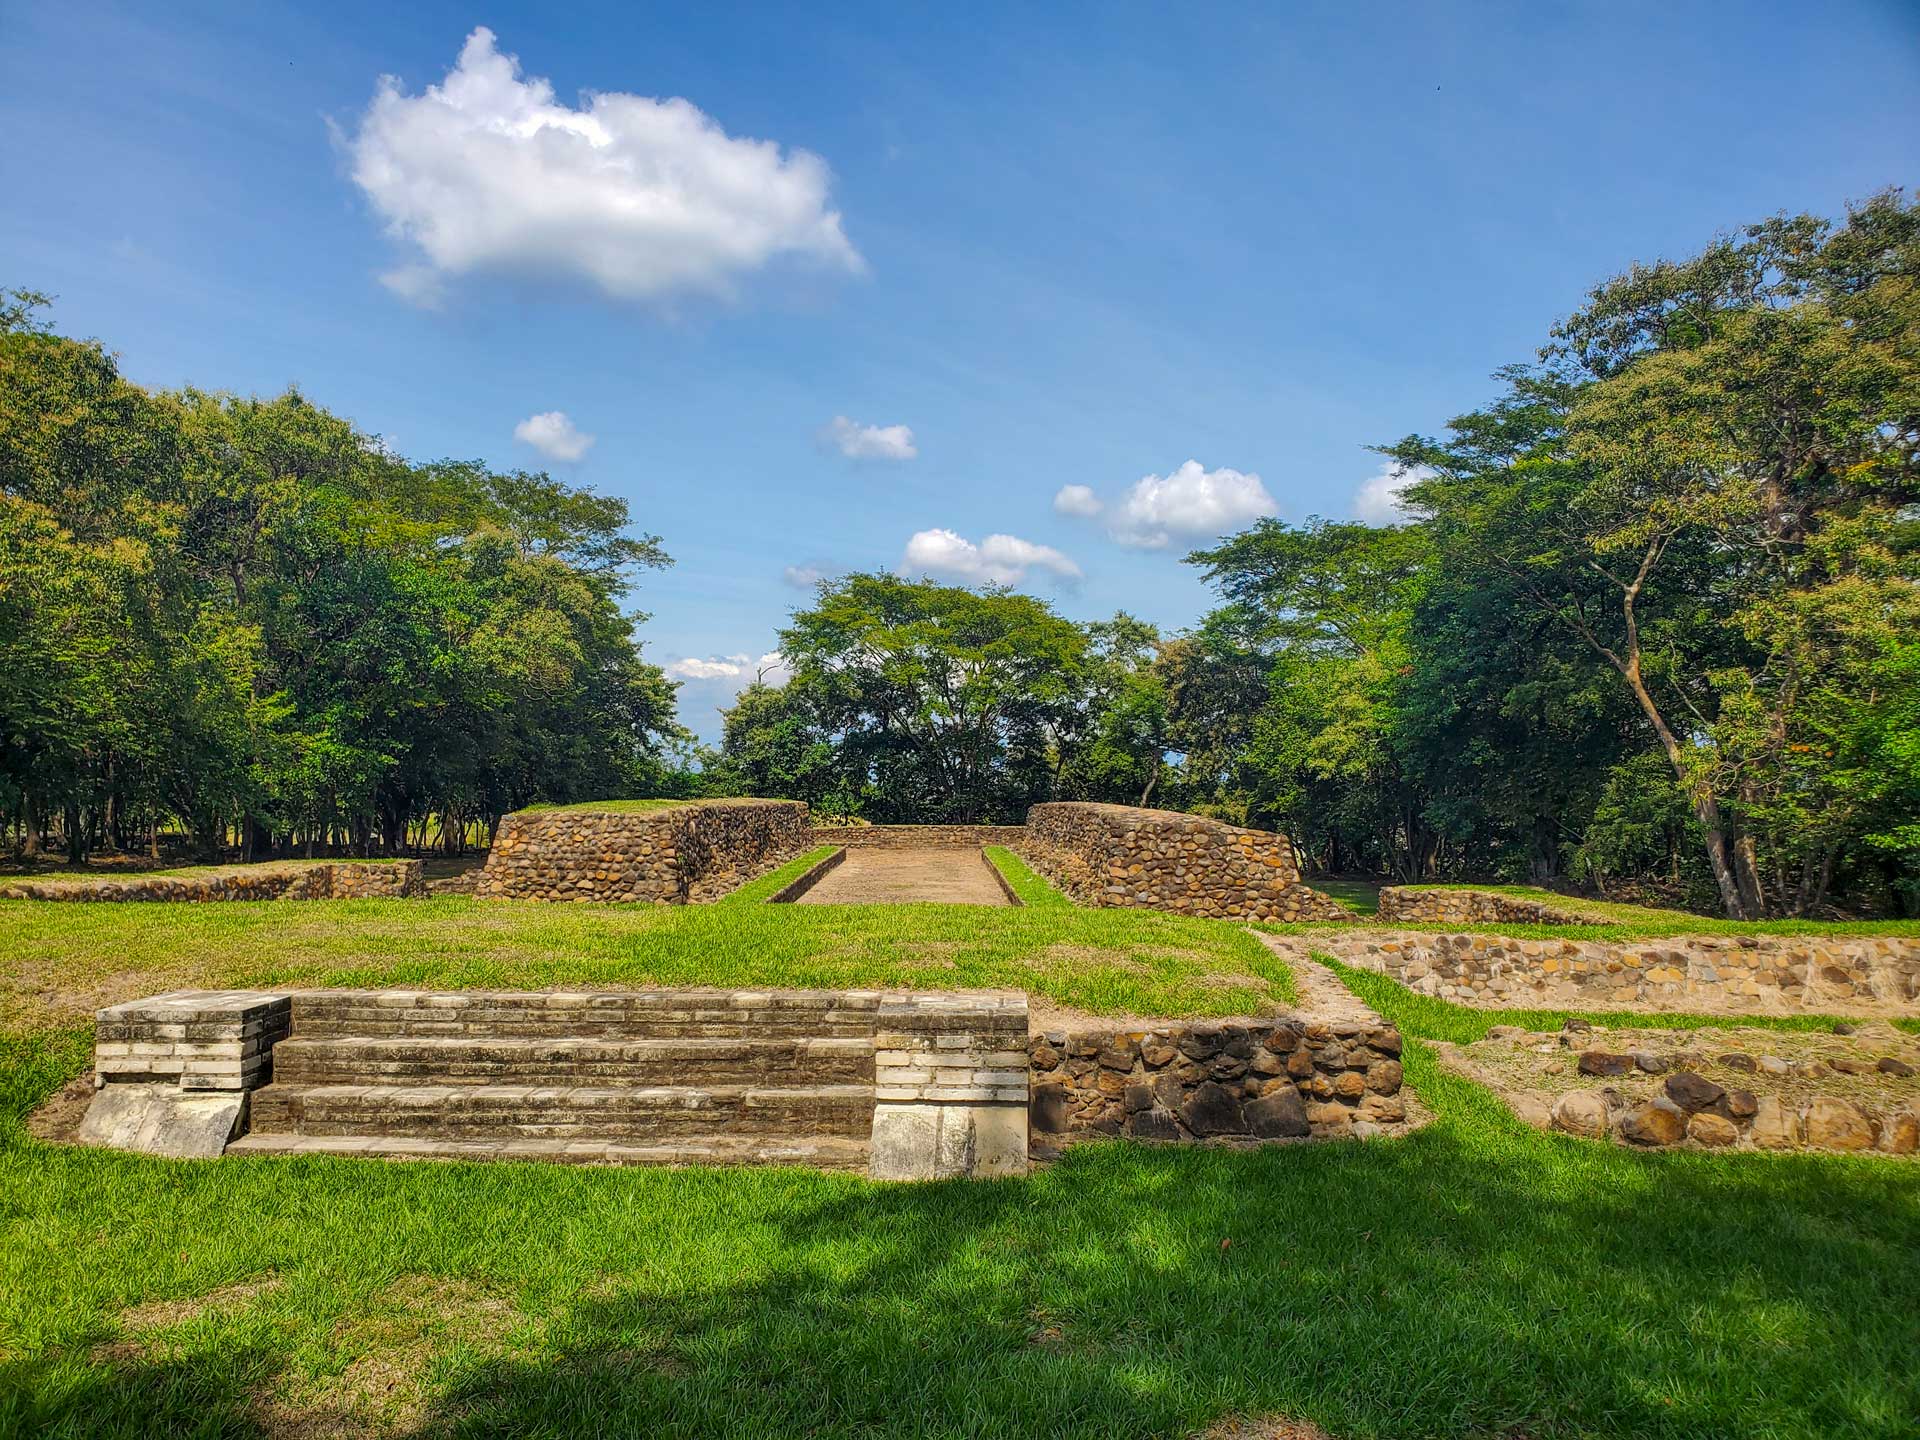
[[1117, 855], [1754, 973], [684, 854], [303, 880], [1248, 1080], [1462, 907], [800, 884], [918, 837]]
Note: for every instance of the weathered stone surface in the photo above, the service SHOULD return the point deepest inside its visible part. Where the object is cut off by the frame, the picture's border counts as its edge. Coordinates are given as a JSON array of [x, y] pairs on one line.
[[1116, 855], [1888, 1065], [1600, 1062], [1155, 1124], [160, 1119], [1837, 1125], [1212, 1109], [1901, 1135], [1775, 1126], [1741, 1104], [946, 1142], [1713, 1130], [1655, 1122], [1532, 1108], [1745, 1064], [679, 855], [1693, 1092], [1278, 1115], [1581, 1112]]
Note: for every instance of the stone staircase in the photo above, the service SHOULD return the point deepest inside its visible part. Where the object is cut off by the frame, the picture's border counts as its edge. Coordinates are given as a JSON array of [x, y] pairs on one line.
[[644, 1077]]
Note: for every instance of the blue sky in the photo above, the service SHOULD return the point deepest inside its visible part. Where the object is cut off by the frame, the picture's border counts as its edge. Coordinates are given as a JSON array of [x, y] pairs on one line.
[[1063, 246]]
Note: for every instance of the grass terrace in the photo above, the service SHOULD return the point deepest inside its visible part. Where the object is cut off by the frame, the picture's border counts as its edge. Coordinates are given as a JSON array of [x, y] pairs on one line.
[[616, 807], [758, 892], [1035, 892], [65, 961]]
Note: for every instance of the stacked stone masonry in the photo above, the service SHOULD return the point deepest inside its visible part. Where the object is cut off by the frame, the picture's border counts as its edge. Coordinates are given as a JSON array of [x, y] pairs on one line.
[[1115, 855], [950, 1086], [305, 880], [1411, 906], [1238, 1080], [1757, 973], [683, 854], [197, 1039], [919, 837]]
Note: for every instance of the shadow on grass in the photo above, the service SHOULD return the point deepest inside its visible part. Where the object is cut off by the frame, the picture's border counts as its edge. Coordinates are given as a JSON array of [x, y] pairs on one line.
[[1475, 1278]]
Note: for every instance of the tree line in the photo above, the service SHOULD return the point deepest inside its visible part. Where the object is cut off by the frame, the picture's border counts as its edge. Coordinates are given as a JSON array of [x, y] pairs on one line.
[[248, 623], [1652, 622]]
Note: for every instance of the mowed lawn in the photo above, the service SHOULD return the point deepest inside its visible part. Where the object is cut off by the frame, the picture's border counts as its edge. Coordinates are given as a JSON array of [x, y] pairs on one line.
[[61, 961], [1474, 1278]]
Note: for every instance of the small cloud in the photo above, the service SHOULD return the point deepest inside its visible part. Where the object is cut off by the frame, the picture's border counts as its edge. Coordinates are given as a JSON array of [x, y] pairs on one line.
[[637, 197], [869, 442], [1377, 501], [554, 436], [803, 577], [1077, 500], [769, 669], [996, 560], [1191, 503]]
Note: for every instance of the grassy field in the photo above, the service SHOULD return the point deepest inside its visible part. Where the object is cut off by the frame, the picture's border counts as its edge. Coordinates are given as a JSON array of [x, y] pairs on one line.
[[618, 807], [1476, 1278], [1362, 897], [1035, 892], [66, 960], [756, 892]]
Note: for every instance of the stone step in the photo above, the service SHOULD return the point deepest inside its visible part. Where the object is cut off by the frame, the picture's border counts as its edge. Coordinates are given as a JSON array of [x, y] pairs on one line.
[[573, 1112], [572, 1060], [829, 1152], [636, 1014]]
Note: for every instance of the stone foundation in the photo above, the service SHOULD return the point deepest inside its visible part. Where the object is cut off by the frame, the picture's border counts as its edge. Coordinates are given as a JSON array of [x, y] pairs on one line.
[[1775, 974], [293, 880], [1296, 1078], [680, 855], [919, 837], [1116, 855], [173, 1072], [1407, 905], [950, 1087]]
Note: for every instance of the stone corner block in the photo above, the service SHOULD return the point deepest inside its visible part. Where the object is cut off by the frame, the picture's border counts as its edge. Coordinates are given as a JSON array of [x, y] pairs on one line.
[[948, 1142], [160, 1119]]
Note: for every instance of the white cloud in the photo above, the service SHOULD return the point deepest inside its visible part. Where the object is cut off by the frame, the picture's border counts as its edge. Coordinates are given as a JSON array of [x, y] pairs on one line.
[[1191, 503], [637, 197], [1377, 501], [869, 442], [996, 560], [771, 668], [803, 577], [1077, 500], [554, 436]]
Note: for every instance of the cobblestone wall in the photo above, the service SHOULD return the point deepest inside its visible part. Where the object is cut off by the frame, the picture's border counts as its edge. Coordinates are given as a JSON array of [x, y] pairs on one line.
[[1778, 973], [1162, 860], [918, 837], [687, 853], [294, 880], [1461, 907], [1248, 1080]]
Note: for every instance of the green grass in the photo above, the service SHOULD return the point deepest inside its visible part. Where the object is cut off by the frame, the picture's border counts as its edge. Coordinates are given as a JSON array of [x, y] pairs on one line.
[[616, 806], [1475, 1278], [1360, 896], [755, 892], [69, 959], [1035, 892]]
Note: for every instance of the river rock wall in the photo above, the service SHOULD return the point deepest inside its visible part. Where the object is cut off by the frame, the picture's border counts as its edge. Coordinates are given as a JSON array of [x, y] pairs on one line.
[[919, 837], [1872, 975], [1116, 855], [685, 854], [1406, 905], [291, 880]]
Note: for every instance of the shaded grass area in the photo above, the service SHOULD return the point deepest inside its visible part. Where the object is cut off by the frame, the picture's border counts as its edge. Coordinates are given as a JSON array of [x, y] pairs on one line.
[[756, 892], [68, 959], [1035, 892], [1475, 1278], [1360, 896]]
